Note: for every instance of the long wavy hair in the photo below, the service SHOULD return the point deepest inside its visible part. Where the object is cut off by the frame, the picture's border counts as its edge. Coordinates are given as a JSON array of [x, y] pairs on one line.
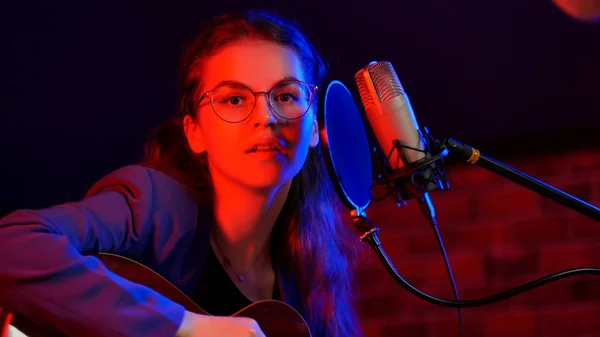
[[310, 243]]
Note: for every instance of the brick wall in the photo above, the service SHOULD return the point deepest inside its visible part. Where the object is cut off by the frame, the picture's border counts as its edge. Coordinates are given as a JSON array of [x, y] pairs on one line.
[[498, 235]]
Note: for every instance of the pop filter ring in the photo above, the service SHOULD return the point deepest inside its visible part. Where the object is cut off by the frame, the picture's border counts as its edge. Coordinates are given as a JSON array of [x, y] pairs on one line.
[[337, 108]]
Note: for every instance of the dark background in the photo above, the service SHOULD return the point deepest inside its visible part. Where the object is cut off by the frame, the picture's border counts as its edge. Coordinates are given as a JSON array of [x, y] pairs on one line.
[[83, 82]]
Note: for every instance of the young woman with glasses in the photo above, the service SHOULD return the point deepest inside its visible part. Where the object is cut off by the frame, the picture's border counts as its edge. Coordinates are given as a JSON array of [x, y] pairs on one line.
[[232, 205]]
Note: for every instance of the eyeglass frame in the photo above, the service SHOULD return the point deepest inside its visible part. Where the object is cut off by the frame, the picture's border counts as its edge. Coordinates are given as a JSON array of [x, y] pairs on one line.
[[313, 91]]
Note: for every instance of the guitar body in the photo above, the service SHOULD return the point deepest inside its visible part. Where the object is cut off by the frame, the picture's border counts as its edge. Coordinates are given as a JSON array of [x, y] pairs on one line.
[[275, 318]]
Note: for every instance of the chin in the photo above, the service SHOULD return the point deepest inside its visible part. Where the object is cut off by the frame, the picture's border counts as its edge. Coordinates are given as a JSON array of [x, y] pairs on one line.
[[263, 182], [267, 178]]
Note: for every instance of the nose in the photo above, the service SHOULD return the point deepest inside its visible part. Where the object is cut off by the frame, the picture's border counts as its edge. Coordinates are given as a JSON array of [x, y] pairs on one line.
[[263, 114]]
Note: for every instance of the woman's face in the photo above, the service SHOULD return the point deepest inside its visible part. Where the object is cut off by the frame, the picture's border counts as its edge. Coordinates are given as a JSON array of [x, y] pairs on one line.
[[264, 150]]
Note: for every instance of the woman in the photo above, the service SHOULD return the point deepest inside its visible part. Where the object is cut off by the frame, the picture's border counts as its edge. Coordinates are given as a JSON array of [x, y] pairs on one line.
[[232, 205]]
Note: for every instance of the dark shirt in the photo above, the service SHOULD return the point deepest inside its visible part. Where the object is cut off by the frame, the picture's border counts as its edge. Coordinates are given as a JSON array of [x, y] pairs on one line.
[[216, 293]]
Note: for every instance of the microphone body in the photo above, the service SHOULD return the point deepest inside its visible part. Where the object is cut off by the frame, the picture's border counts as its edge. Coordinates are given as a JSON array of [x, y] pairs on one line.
[[390, 114], [405, 148]]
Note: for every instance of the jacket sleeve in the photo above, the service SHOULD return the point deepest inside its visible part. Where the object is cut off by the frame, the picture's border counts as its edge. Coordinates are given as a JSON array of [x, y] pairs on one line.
[[46, 276]]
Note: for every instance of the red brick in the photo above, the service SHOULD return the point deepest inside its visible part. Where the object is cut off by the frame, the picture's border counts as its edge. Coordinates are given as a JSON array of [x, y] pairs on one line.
[[506, 203], [422, 243], [453, 210], [556, 258], [467, 177], [573, 321], [584, 162], [584, 228], [455, 238], [596, 197], [514, 324], [384, 306], [370, 326], [533, 231], [465, 266], [449, 327], [596, 194], [510, 264], [475, 239], [585, 289], [413, 329], [419, 270], [371, 281], [394, 243], [431, 270]]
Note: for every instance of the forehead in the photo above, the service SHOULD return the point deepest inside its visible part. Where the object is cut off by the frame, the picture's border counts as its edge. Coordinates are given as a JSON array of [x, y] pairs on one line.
[[258, 64]]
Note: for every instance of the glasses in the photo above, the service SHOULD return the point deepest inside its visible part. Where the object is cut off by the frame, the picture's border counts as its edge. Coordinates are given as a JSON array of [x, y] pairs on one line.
[[234, 103]]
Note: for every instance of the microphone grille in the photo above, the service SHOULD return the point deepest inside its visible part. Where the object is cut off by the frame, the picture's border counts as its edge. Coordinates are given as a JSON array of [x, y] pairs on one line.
[[367, 99], [385, 81]]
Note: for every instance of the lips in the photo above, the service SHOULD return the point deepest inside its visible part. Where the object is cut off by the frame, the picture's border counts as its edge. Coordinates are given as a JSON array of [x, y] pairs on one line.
[[263, 148], [266, 145]]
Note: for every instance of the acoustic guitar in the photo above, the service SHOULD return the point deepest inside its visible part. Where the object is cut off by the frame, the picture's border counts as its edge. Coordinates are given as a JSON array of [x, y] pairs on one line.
[[275, 318]]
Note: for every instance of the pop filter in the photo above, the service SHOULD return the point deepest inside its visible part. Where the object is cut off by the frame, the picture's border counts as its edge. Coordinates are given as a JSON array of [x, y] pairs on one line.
[[345, 146]]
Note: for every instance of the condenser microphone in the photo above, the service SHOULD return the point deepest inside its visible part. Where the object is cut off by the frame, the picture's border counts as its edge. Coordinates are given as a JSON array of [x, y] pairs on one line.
[[404, 146], [390, 114]]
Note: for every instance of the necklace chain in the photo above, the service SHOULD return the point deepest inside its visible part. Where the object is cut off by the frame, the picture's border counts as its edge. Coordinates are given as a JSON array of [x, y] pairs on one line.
[[227, 262]]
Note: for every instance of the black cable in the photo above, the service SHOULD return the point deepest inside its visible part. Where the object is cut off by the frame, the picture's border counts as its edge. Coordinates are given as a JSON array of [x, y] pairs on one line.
[[449, 270], [394, 178], [369, 233]]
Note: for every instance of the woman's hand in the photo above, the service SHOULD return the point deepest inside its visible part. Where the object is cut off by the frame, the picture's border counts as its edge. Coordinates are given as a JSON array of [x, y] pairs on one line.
[[194, 325]]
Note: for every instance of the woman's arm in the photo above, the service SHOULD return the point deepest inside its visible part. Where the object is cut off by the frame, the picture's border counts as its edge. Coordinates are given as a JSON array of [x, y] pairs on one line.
[[45, 275]]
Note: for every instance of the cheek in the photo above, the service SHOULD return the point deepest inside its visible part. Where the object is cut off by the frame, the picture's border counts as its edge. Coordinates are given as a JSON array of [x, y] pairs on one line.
[[222, 142], [220, 139], [301, 135]]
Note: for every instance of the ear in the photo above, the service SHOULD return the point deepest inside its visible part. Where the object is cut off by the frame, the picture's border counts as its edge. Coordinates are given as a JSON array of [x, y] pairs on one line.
[[314, 138], [193, 133]]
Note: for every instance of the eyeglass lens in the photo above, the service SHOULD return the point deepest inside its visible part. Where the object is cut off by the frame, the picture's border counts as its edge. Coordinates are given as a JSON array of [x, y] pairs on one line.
[[234, 103]]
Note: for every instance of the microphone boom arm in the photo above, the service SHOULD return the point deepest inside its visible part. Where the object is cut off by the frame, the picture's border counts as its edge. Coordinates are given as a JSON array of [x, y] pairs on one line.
[[473, 156]]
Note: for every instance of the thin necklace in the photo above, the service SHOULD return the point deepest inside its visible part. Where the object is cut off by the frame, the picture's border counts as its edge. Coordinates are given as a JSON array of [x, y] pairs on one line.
[[227, 262]]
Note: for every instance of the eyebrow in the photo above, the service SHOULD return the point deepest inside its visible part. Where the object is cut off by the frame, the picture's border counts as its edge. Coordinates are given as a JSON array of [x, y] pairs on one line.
[[230, 82]]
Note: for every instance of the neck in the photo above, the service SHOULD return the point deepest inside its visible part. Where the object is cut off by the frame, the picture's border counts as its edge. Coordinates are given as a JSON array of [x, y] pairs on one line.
[[244, 220]]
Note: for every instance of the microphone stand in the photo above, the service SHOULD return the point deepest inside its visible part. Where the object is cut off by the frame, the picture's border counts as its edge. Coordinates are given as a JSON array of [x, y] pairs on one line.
[[471, 155], [416, 179]]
